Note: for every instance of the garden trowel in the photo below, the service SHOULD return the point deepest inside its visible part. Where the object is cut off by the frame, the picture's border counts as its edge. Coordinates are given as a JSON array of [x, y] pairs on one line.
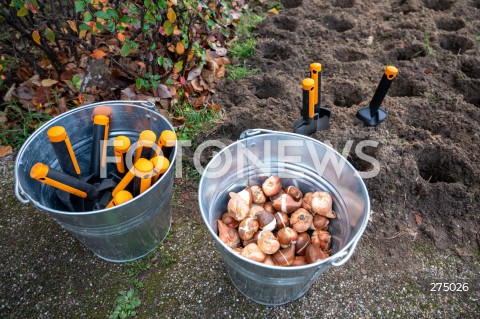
[[372, 115], [307, 125]]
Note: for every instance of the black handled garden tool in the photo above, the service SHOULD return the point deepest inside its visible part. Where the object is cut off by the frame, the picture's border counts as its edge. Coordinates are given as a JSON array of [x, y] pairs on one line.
[[99, 151], [63, 150], [307, 125], [324, 114], [372, 115]]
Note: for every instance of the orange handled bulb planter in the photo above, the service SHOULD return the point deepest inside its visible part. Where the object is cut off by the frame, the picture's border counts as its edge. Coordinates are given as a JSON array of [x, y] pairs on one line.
[[307, 125], [372, 115]]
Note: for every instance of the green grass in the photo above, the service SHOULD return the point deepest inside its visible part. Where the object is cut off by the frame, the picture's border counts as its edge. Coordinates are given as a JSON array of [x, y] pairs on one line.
[[24, 123], [243, 46], [427, 45], [236, 72], [126, 304], [195, 121]]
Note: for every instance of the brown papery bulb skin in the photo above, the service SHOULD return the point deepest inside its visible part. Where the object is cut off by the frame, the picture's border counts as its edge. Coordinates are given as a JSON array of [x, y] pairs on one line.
[[287, 236], [285, 257], [285, 203], [266, 220], [314, 253], [269, 261], [254, 210], [258, 195], [319, 222], [272, 186], [294, 192], [267, 242], [300, 261], [282, 220], [246, 195], [228, 235], [322, 239], [230, 221], [302, 243], [253, 252], [280, 193], [307, 202], [268, 206], [247, 228], [251, 240], [301, 220], [322, 204], [237, 207]]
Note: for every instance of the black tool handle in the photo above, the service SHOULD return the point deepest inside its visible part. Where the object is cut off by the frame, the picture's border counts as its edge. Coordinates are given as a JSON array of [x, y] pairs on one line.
[[382, 89], [308, 100], [60, 180], [63, 150]]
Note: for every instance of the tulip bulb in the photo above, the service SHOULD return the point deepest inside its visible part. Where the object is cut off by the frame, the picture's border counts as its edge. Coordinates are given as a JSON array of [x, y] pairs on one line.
[[246, 195], [287, 236], [299, 261], [248, 227], [229, 221], [254, 210], [294, 192], [301, 220], [285, 203], [266, 220], [267, 242], [269, 261], [254, 239], [238, 250], [253, 252], [237, 207], [274, 197], [322, 204], [302, 243], [285, 257], [322, 239], [319, 222], [228, 235], [268, 206], [282, 220], [258, 195], [272, 186], [307, 201], [314, 253]]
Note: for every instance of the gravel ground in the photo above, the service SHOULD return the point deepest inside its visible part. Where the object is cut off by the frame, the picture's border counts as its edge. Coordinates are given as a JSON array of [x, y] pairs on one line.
[[46, 273]]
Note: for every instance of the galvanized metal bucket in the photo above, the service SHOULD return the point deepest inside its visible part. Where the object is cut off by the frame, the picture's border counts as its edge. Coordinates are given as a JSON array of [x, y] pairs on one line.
[[301, 161], [118, 234]]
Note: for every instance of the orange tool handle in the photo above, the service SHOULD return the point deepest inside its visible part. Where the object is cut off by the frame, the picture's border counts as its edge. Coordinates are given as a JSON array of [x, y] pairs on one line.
[[99, 153], [143, 176], [160, 166], [146, 142], [167, 141], [308, 86], [121, 145], [60, 180], [120, 198], [315, 74], [63, 150]]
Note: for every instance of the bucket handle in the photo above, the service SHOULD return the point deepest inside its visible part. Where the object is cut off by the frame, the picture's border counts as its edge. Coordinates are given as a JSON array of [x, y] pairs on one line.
[[253, 132], [19, 193], [347, 254]]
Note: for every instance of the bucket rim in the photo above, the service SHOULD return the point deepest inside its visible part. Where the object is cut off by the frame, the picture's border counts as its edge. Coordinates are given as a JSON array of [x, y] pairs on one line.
[[149, 106], [344, 253]]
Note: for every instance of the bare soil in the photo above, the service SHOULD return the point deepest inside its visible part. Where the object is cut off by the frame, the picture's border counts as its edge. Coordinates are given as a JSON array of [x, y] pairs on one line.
[[425, 200]]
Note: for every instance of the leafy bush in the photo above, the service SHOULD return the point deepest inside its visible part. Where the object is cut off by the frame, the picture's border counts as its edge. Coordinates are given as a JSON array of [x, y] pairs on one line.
[[149, 41]]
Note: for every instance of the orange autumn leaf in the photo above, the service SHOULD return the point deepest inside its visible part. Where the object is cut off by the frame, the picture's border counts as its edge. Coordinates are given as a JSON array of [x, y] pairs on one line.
[[274, 11], [142, 65], [180, 48], [121, 37], [36, 36], [171, 48], [98, 54], [171, 15]]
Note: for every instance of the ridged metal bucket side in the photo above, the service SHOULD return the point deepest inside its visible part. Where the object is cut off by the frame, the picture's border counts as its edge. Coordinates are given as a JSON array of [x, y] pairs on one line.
[[274, 285], [121, 233]]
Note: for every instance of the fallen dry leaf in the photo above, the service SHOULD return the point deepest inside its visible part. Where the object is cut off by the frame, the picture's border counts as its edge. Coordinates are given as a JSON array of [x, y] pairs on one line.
[[5, 150], [128, 92], [121, 37], [36, 36], [164, 92], [418, 219], [8, 96], [180, 48], [273, 11], [98, 54], [49, 82], [62, 105], [194, 73], [25, 93]]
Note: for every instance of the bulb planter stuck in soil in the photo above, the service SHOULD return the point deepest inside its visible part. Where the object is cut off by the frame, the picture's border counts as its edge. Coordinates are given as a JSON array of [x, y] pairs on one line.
[[299, 161]]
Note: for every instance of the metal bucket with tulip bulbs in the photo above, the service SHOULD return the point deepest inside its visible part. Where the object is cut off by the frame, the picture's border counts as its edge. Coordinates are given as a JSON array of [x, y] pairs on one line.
[[260, 269]]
